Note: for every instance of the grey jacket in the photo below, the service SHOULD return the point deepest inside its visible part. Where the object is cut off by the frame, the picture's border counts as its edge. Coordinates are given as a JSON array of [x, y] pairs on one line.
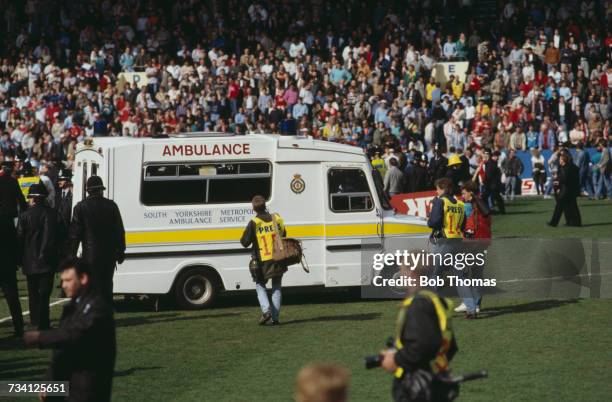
[[605, 164], [393, 181]]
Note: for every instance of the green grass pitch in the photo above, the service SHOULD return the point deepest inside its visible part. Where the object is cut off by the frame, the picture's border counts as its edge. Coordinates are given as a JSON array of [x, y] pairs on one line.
[[534, 350]]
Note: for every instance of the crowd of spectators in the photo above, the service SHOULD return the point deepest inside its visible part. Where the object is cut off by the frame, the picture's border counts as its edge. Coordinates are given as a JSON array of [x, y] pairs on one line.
[[358, 72]]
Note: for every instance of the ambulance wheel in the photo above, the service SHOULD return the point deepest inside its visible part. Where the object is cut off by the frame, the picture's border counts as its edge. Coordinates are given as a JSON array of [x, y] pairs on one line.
[[196, 289]]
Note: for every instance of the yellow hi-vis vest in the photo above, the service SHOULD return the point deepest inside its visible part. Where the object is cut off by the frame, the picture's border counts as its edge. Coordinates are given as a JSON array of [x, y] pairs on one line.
[[26, 182], [264, 232], [440, 362], [454, 214], [379, 164]]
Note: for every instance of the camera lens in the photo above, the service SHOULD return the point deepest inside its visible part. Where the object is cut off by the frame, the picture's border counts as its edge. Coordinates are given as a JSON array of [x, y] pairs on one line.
[[373, 361]]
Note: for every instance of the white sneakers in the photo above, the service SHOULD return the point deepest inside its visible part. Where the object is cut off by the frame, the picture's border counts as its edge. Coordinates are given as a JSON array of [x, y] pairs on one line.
[[462, 309]]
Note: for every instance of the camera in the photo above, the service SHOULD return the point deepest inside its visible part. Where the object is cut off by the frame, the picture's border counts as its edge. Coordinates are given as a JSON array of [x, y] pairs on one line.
[[374, 361]]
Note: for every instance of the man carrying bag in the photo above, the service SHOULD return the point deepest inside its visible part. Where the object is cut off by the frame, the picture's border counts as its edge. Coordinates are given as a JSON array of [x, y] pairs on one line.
[[261, 233]]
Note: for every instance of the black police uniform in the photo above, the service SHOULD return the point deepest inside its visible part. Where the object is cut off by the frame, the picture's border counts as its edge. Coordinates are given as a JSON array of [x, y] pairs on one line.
[[84, 348], [97, 225], [422, 346], [417, 179], [11, 198], [492, 185], [63, 203], [568, 177], [437, 167], [37, 238]]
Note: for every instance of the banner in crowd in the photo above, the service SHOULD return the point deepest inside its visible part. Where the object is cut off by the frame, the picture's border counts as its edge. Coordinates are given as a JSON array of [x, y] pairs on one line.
[[419, 204], [138, 78], [413, 204], [442, 71]]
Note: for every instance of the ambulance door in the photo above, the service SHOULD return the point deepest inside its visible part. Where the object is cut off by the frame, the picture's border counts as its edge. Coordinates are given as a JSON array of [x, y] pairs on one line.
[[351, 219], [297, 198], [88, 163]]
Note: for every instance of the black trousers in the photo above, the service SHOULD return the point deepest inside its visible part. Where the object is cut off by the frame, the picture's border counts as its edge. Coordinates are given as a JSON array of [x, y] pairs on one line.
[[8, 282], [8, 270], [102, 278], [569, 208], [497, 198], [39, 293]]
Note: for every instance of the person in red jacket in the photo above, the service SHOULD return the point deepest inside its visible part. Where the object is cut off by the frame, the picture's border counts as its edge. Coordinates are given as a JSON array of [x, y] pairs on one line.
[[477, 227]]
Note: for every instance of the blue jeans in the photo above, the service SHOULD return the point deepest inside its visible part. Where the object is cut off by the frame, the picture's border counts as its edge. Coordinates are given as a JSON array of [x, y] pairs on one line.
[[511, 187], [586, 184], [470, 295], [264, 302], [605, 180]]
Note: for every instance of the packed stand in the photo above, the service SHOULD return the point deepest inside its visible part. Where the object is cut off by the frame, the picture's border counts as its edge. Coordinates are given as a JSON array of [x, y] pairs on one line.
[[539, 78]]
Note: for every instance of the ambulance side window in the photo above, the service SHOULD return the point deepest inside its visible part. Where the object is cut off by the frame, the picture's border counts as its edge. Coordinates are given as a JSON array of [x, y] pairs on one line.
[[349, 190], [210, 183]]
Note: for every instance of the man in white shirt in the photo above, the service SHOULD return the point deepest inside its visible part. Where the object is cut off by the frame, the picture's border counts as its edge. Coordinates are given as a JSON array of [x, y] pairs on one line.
[[450, 49], [297, 48]]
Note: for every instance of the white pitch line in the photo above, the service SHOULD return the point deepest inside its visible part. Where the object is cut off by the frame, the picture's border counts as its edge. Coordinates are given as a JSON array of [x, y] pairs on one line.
[[55, 303]]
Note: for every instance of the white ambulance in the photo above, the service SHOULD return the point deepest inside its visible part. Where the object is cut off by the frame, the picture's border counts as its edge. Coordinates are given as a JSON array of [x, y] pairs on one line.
[[185, 201]]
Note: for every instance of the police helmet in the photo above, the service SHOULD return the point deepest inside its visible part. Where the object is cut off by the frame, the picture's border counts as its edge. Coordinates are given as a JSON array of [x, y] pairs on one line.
[[38, 190], [65, 175], [95, 183]]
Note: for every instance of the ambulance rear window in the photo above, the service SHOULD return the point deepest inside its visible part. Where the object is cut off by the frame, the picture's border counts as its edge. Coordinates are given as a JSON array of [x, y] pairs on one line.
[[206, 183]]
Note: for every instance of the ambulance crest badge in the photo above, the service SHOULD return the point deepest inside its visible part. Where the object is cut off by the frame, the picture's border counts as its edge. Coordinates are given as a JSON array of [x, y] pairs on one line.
[[297, 184]]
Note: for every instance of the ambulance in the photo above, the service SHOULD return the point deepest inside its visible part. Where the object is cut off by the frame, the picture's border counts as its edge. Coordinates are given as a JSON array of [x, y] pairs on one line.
[[185, 200]]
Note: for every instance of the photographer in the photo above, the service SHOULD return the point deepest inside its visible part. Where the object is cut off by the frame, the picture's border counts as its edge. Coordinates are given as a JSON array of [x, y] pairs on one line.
[[424, 346], [259, 234]]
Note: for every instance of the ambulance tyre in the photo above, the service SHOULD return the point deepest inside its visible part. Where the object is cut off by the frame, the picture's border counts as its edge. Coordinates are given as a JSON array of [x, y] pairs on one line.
[[196, 288]]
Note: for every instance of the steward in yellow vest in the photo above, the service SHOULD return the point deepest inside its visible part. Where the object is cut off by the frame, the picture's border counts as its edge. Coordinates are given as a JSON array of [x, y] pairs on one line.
[[260, 234], [424, 346], [379, 164], [27, 179]]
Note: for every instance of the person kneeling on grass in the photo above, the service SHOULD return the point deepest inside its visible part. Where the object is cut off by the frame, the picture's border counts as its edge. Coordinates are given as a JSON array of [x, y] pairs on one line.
[[260, 234]]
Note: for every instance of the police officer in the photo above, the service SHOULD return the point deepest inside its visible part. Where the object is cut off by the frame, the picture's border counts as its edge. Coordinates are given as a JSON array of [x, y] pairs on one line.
[[424, 346], [437, 165], [568, 185], [97, 225], [11, 200], [63, 202], [492, 182], [418, 177], [37, 238], [260, 233], [84, 345]]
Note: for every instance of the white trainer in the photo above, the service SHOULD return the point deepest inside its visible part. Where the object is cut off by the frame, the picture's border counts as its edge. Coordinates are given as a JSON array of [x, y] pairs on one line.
[[460, 308]]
